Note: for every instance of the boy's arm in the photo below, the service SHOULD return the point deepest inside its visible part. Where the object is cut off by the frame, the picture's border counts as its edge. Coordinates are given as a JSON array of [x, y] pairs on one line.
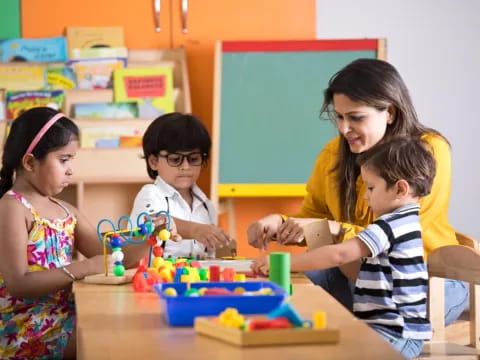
[[330, 255], [209, 235], [322, 258]]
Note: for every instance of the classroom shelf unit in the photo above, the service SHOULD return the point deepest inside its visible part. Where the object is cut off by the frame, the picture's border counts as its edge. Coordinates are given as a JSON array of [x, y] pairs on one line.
[[106, 180]]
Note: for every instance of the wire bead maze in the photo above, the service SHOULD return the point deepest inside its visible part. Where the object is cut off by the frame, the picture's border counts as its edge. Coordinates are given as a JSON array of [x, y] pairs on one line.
[[118, 237]]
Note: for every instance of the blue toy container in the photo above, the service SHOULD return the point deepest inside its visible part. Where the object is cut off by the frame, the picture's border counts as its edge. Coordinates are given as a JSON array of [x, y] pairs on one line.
[[181, 310]]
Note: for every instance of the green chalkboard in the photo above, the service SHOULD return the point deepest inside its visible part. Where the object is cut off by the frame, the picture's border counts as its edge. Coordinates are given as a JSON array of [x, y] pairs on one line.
[[10, 19], [270, 129]]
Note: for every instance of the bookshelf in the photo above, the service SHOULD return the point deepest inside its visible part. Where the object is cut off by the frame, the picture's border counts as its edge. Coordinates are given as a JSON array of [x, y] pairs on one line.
[[106, 180]]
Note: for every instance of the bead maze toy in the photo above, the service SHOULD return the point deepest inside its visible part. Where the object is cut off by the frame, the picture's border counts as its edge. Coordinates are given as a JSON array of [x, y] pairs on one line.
[[281, 326], [118, 237]]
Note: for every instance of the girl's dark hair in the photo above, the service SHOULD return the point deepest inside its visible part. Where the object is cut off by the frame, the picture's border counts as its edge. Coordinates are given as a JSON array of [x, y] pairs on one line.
[[175, 132], [402, 159], [23, 130], [378, 84]]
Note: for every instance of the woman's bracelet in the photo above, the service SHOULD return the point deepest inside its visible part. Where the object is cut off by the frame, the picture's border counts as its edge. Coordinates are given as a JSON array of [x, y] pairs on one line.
[[69, 273]]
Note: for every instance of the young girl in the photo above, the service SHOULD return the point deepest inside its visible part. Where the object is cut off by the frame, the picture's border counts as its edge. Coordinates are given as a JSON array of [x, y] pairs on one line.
[[37, 313], [391, 288], [176, 147]]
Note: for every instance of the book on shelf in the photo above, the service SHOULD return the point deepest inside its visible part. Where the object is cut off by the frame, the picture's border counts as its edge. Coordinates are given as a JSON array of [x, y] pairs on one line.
[[116, 110], [17, 77], [150, 87], [35, 50], [95, 73], [90, 37], [101, 52], [61, 77], [19, 101], [106, 136]]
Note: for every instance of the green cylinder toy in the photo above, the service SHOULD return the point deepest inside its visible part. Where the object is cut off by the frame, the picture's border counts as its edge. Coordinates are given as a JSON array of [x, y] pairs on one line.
[[280, 270]]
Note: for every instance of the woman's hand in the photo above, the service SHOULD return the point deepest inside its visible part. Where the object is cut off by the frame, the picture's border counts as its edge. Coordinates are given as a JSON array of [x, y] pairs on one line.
[[261, 232], [260, 265]]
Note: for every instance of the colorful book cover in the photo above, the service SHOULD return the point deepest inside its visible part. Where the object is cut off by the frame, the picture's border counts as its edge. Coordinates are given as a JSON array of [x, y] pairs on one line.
[[105, 136], [35, 50], [22, 77], [60, 77], [95, 73], [101, 52], [20, 101], [151, 87], [117, 110], [94, 37]]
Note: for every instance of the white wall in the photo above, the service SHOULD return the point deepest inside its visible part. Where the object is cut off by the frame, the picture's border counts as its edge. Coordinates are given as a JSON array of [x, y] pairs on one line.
[[435, 45]]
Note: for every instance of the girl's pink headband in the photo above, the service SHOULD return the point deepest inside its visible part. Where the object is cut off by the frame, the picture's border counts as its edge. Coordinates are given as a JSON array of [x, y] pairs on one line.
[[42, 132]]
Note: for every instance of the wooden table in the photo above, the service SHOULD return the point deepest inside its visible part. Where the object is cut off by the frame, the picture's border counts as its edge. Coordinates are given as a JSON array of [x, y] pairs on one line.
[[116, 323]]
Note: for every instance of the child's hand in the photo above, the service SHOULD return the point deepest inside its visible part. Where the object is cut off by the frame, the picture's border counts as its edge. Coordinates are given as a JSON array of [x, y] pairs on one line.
[[211, 236], [161, 221], [260, 265], [96, 264]]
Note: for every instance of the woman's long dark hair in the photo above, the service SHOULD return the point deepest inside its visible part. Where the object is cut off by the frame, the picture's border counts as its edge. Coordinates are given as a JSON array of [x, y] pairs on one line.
[[378, 84]]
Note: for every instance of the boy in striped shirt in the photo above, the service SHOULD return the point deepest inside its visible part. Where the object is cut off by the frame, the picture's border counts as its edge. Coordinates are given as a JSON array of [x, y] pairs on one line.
[[391, 287]]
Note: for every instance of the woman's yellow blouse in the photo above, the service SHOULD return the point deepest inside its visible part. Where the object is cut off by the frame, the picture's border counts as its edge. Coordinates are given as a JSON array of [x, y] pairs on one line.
[[322, 199]]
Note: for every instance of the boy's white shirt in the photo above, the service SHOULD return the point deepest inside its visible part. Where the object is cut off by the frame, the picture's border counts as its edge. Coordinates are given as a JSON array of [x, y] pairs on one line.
[[152, 198]]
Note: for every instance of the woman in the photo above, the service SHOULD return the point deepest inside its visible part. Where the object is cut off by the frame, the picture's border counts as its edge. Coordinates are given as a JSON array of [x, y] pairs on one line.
[[369, 103]]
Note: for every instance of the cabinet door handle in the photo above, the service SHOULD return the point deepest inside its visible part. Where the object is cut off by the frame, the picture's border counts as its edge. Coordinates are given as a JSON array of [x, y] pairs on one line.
[[157, 7], [184, 16]]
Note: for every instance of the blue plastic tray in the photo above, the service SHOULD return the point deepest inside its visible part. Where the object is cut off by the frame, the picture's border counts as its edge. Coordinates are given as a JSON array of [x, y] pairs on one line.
[[182, 310]]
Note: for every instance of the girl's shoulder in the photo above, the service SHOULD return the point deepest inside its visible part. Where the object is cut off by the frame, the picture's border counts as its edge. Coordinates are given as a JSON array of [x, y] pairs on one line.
[[12, 210]]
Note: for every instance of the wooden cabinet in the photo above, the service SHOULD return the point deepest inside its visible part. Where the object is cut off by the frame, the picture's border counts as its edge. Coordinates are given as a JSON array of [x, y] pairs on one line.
[[206, 22]]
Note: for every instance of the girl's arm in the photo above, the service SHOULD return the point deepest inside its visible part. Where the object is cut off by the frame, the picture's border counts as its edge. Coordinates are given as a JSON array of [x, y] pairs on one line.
[[88, 243], [19, 281]]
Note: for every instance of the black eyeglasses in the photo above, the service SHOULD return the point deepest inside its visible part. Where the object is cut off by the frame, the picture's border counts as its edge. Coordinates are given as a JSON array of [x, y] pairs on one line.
[[176, 159]]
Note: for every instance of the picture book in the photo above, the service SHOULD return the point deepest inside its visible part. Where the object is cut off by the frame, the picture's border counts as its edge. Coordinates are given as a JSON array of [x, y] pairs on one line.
[[100, 52], [117, 110], [20, 101], [34, 50], [94, 37], [95, 73], [151, 87], [105, 136], [22, 77], [60, 77]]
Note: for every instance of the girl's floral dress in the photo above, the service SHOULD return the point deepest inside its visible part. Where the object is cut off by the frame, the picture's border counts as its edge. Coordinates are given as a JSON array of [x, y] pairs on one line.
[[39, 328]]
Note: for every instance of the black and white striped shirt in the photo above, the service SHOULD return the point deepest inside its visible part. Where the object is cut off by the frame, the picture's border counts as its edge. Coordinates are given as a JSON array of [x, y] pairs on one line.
[[391, 289]]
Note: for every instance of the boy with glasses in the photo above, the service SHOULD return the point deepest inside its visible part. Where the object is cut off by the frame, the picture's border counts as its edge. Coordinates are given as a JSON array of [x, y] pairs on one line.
[[176, 148]]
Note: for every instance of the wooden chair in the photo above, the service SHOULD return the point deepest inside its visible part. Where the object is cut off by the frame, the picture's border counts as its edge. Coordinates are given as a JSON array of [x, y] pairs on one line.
[[459, 262]]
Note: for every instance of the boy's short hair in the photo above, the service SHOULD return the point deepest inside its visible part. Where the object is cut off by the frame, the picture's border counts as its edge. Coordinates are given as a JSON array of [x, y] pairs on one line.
[[404, 158], [175, 132]]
